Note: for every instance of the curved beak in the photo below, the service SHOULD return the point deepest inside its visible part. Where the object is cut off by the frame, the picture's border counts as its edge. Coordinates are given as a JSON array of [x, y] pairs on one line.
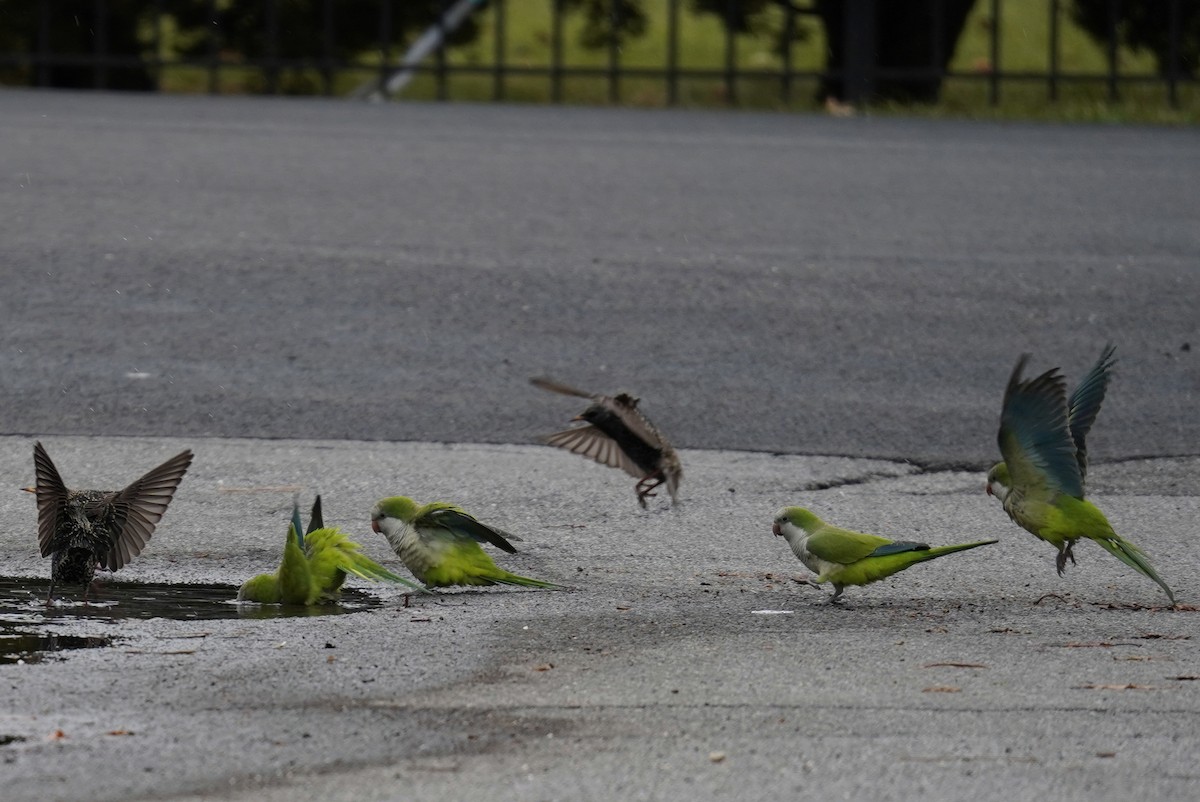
[[374, 525], [775, 528], [987, 488]]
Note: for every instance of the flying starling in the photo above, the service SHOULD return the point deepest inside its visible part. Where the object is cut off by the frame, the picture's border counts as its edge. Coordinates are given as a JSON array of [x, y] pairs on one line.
[[78, 529], [620, 436]]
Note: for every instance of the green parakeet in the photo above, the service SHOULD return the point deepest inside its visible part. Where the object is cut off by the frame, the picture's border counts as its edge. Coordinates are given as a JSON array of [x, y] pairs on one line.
[[314, 566], [845, 557], [439, 543], [1040, 481]]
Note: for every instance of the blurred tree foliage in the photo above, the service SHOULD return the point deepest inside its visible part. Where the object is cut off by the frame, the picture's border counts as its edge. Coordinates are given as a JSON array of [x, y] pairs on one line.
[[908, 36], [608, 21], [1146, 25], [72, 29]]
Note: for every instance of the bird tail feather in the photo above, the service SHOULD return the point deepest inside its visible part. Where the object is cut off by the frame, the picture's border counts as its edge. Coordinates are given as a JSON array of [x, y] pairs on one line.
[[1135, 558], [525, 582], [364, 567], [553, 386], [940, 550]]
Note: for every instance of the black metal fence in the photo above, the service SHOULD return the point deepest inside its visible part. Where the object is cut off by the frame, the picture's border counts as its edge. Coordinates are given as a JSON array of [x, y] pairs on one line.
[[101, 51]]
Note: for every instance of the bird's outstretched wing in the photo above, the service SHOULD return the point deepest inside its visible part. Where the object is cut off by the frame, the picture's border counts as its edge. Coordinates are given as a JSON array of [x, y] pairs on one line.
[[590, 442], [138, 508], [1084, 404], [51, 498], [1034, 435]]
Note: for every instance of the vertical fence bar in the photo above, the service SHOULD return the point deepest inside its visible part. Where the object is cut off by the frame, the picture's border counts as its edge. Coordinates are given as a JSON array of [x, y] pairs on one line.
[[158, 48], [556, 52], [859, 50], [327, 47], [498, 48], [673, 53], [1173, 69], [385, 41], [789, 33], [1113, 95], [272, 32], [214, 48], [439, 55], [100, 47], [730, 52], [1052, 75], [937, 51], [614, 50], [42, 60], [994, 56]]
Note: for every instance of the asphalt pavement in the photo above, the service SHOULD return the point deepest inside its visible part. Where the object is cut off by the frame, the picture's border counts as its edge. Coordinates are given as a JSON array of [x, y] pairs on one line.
[[325, 297]]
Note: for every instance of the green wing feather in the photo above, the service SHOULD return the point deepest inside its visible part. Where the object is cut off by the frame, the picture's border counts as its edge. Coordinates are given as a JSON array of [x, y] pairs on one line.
[[1035, 437], [459, 524], [836, 545], [1084, 404]]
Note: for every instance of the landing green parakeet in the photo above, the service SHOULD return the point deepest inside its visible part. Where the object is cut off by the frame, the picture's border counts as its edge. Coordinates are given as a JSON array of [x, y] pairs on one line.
[[1040, 482], [439, 543], [314, 566], [845, 557]]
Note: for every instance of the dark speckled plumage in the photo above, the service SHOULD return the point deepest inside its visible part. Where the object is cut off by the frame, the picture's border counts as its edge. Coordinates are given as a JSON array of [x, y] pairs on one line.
[[80, 529], [620, 436]]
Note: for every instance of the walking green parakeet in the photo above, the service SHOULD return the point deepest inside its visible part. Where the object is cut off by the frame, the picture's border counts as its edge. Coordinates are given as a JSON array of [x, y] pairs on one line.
[[439, 543], [845, 557], [314, 566], [1040, 482]]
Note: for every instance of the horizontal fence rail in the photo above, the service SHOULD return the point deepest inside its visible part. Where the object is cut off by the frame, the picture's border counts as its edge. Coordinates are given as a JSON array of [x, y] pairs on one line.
[[127, 44]]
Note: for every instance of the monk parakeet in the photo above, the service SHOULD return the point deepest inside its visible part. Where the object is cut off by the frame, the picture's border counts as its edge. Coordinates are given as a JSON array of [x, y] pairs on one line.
[[1040, 482], [78, 529], [314, 566], [439, 543], [845, 557], [620, 436]]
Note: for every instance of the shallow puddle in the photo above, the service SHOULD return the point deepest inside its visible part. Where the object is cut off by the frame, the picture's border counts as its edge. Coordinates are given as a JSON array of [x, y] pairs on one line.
[[25, 648], [23, 602]]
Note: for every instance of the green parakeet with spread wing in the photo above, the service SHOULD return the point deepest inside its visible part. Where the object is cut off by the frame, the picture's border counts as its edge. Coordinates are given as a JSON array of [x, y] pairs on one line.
[[845, 557], [1040, 482], [439, 543], [314, 566]]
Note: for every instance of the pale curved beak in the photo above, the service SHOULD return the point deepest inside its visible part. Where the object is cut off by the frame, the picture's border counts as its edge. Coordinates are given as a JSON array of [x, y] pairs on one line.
[[375, 526], [987, 488], [777, 530]]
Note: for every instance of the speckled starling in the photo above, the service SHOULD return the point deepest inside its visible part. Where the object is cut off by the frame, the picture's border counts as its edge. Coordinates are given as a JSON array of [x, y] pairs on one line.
[[80, 529], [620, 436]]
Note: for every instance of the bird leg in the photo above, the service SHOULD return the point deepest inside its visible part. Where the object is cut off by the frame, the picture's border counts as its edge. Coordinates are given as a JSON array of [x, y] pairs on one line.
[[50, 595], [837, 592], [1064, 554], [646, 484]]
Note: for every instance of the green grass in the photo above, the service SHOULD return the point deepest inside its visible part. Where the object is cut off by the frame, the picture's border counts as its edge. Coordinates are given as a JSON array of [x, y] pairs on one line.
[[1024, 28]]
